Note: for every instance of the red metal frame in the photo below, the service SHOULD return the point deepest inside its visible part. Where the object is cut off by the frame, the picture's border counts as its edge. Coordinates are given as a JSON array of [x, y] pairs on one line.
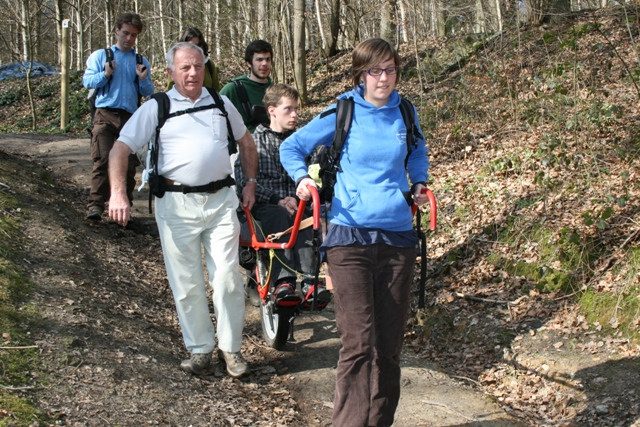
[[263, 288]]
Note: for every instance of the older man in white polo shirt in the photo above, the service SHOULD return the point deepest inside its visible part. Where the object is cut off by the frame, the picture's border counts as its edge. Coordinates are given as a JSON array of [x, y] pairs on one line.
[[193, 153]]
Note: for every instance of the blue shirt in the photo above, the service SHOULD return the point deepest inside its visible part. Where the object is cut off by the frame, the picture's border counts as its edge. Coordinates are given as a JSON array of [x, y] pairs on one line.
[[123, 88], [372, 183]]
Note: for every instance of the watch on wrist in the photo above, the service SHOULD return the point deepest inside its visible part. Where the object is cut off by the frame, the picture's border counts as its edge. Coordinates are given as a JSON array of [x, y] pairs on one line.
[[250, 180]]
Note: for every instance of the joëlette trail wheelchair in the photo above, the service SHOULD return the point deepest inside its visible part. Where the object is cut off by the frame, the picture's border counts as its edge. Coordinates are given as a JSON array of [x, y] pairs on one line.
[[278, 315]]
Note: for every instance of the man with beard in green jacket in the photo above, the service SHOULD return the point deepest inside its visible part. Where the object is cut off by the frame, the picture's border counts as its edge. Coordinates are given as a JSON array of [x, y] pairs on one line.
[[259, 58]]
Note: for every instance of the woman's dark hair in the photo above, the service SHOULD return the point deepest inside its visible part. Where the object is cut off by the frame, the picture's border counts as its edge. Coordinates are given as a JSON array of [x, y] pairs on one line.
[[369, 53], [257, 46], [192, 32]]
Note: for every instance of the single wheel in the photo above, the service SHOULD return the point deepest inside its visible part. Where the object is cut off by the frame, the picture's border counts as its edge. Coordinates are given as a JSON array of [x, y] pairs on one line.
[[275, 324]]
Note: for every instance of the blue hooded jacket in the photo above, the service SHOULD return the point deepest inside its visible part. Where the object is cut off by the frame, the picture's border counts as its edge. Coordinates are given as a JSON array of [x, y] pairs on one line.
[[369, 190]]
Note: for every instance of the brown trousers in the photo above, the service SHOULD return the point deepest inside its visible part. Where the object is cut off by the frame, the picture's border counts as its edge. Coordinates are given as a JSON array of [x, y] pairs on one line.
[[372, 285], [106, 129]]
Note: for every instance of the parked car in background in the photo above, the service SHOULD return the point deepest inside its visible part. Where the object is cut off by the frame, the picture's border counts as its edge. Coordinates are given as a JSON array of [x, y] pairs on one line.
[[19, 70]]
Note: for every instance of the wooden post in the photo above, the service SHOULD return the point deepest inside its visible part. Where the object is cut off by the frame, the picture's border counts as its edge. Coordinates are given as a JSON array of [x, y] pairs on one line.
[[64, 82]]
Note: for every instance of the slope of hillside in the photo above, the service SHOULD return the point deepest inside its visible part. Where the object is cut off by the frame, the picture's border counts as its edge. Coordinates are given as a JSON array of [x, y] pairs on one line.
[[533, 272]]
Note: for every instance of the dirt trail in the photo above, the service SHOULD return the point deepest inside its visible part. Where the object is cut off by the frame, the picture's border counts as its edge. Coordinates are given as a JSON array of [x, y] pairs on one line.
[[145, 329]]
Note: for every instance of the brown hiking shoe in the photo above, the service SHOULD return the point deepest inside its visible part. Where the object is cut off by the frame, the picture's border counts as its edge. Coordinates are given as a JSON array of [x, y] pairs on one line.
[[197, 364], [236, 365], [95, 214]]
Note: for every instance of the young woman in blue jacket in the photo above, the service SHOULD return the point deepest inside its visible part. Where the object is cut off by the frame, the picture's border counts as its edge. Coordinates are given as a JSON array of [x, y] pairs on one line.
[[370, 246]]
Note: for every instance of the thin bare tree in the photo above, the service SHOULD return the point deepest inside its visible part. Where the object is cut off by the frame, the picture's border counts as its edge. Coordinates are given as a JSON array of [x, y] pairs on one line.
[[299, 49]]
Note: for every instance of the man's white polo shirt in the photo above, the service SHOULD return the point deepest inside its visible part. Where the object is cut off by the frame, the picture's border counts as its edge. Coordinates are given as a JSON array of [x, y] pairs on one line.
[[193, 147]]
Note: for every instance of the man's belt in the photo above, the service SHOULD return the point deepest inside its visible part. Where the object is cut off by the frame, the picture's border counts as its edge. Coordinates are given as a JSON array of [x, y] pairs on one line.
[[118, 111], [211, 187]]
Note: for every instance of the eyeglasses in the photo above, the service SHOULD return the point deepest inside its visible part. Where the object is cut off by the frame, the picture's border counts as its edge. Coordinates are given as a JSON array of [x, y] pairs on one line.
[[378, 71]]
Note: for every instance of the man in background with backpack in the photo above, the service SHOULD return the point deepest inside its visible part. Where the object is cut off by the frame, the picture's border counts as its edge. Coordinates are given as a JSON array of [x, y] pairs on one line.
[[119, 76], [246, 91], [196, 207]]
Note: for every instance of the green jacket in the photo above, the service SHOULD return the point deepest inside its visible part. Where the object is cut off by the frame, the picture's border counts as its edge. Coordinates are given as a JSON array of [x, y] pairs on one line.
[[255, 92]]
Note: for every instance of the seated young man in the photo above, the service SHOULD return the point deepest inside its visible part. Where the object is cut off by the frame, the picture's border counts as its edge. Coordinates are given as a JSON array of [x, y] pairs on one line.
[[276, 203]]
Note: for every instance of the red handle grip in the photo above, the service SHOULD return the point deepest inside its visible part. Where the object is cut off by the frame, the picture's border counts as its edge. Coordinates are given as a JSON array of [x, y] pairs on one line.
[[433, 211], [256, 244]]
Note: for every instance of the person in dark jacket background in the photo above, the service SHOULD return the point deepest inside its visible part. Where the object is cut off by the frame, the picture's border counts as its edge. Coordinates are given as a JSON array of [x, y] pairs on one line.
[[211, 71]]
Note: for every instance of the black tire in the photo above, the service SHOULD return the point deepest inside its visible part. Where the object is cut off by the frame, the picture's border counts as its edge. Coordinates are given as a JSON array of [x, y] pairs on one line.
[[274, 319], [275, 325]]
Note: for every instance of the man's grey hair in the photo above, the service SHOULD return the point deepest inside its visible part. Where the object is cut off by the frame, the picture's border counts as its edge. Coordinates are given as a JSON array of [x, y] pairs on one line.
[[181, 46]]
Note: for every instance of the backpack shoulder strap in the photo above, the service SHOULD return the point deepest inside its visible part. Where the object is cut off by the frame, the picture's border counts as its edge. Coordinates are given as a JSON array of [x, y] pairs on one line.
[[244, 99], [163, 108], [408, 115], [344, 115], [217, 99], [164, 105], [137, 79], [109, 54], [232, 145], [413, 131], [330, 159]]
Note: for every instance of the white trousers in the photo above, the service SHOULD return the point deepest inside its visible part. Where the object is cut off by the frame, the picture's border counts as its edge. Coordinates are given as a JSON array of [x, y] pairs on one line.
[[187, 223]]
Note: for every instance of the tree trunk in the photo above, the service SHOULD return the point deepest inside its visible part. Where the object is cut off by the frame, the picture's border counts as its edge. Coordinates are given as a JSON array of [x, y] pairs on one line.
[[498, 16], [323, 45], [387, 22], [80, 58], [534, 11], [180, 17], [262, 19], [108, 22], [439, 18], [26, 45], [217, 31], [163, 37], [23, 28], [403, 22], [233, 40], [59, 18], [299, 50], [480, 19], [334, 27], [558, 11], [90, 41]]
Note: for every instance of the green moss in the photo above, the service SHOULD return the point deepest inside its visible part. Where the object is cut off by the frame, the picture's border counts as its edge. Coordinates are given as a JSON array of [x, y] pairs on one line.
[[16, 318], [555, 281], [615, 311], [574, 254], [549, 37], [22, 411]]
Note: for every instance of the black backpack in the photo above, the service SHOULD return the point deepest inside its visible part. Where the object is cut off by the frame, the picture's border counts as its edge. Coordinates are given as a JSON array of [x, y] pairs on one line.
[[256, 114], [157, 182], [93, 93], [329, 157]]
